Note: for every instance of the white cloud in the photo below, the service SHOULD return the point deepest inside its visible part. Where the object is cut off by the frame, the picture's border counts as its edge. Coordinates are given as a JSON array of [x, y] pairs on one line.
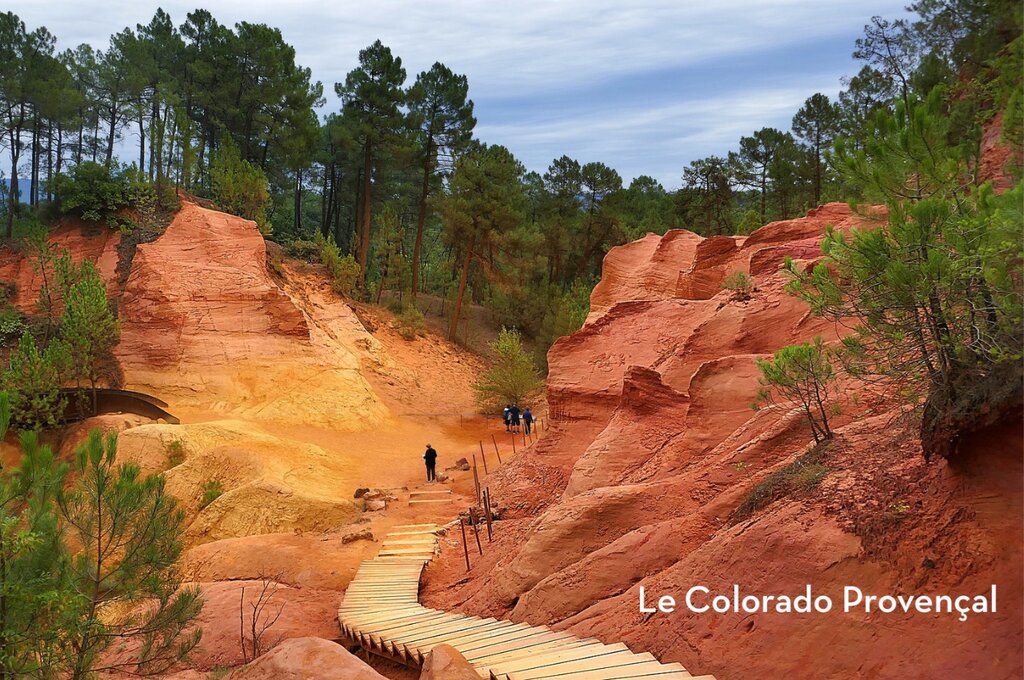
[[555, 64]]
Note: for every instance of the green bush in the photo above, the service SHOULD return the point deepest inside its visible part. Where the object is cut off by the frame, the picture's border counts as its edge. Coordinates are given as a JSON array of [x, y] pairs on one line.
[[410, 322], [94, 192], [239, 187], [212, 490], [741, 285], [175, 453], [99, 193], [303, 250], [344, 271], [12, 325]]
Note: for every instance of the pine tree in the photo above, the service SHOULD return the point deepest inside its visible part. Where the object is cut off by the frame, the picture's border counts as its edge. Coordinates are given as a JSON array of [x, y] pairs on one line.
[[937, 291], [34, 597], [484, 201], [512, 379], [130, 532], [33, 379], [371, 96], [817, 124], [442, 115], [89, 330], [802, 374], [754, 160]]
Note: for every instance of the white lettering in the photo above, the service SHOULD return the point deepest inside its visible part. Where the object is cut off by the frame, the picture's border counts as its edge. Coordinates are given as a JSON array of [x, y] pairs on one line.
[[689, 599]]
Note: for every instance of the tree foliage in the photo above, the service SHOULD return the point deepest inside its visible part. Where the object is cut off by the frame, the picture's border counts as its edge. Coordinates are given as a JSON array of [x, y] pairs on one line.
[[802, 374], [85, 565], [512, 378], [935, 295]]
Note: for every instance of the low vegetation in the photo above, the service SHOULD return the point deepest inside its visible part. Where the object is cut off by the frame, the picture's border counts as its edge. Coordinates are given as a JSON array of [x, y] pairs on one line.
[[802, 374], [512, 377], [175, 453], [741, 284], [802, 475], [59, 614], [212, 490]]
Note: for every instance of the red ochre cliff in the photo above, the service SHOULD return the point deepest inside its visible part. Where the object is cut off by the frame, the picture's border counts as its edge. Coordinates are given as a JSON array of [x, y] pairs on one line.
[[654, 445]]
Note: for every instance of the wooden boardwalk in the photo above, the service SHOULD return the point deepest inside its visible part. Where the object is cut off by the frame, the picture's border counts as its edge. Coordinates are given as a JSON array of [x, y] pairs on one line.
[[381, 612]]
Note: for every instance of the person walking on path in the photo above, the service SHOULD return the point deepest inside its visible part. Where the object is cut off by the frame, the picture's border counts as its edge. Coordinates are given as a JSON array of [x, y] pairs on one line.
[[430, 458], [514, 416], [507, 417], [527, 420]]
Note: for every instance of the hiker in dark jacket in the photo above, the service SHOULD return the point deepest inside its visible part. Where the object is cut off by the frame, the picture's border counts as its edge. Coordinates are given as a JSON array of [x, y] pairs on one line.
[[527, 420], [514, 416], [430, 458], [507, 417]]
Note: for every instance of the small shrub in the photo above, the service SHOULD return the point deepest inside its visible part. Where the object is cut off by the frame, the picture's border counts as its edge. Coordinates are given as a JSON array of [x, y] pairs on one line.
[[212, 490], [12, 325], [175, 453], [802, 374], [303, 250], [344, 271], [741, 285], [803, 474], [410, 322]]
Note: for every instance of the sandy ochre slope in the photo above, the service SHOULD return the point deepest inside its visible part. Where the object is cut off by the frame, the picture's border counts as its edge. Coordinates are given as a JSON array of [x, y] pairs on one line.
[[286, 400], [657, 445]]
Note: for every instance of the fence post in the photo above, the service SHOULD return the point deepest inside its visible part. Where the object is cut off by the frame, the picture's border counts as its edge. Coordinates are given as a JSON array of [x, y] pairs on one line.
[[486, 472], [476, 479], [476, 529], [495, 442], [513, 444], [487, 510], [465, 543]]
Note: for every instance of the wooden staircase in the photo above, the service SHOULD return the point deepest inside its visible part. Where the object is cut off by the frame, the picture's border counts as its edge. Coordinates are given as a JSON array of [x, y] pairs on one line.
[[381, 612]]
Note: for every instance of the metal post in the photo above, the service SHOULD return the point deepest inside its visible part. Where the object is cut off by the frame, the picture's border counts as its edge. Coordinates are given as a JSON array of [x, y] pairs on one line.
[[465, 543], [476, 479], [487, 510], [476, 529], [483, 457], [513, 444], [495, 442]]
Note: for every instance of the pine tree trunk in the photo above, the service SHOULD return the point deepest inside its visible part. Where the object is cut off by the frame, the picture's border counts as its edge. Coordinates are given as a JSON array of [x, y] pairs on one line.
[[463, 278], [298, 201], [364, 218], [142, 146], [421, 220]]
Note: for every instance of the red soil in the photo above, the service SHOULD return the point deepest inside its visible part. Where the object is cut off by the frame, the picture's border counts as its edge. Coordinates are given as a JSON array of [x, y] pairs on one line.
[[656, 447]]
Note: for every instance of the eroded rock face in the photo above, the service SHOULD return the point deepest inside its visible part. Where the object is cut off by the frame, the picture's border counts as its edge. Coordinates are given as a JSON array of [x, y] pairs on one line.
[[306, 657], [202, 322], [655, 446]]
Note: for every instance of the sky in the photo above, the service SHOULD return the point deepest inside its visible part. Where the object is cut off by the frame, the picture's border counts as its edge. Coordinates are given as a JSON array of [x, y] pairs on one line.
[[644, 86]]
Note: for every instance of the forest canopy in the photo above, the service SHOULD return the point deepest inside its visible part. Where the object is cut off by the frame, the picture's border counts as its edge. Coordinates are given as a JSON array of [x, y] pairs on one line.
[[227, 113]]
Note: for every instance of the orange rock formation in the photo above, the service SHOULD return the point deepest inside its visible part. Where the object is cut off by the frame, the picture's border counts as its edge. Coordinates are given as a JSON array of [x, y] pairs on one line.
[[656, 446]]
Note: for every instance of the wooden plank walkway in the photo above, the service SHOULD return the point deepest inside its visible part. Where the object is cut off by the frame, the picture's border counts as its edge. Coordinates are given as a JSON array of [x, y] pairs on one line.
[[381, 612]]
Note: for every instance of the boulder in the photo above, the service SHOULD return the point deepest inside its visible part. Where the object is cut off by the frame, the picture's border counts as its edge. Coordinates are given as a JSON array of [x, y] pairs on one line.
[[306, 657], [446, 663]]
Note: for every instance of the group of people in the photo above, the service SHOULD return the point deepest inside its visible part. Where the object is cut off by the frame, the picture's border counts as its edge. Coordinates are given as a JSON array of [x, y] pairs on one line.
[[513, 417], [514, 420]]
